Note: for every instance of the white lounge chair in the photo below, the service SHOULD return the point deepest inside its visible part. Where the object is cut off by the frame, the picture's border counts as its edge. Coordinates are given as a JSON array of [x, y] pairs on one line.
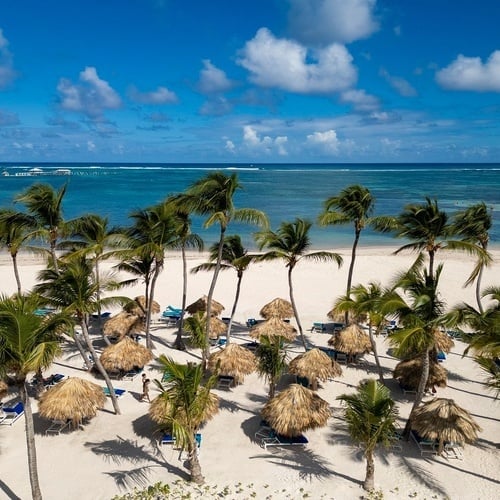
[[57, 426], [10, 414]]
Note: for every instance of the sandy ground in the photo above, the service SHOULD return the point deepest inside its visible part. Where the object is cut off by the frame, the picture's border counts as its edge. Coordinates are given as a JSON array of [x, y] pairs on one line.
[[113, 454]]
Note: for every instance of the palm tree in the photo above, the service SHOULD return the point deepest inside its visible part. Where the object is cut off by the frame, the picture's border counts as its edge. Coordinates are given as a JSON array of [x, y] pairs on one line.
[[15, 230], [234, 256], [29, 344], [195, 325], [271, 360], [187, 404], [290, 244], [473, 225], [45, 205], [74, 291], [212, 196], [365, 301], [371, 415]]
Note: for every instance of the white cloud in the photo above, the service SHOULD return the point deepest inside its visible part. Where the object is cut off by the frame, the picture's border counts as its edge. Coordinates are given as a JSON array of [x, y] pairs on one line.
[[91, 96], [360, 100], [265, 144], [469, 73], [328, 140], [230, 146], [159, 96], [90, 146], [216, 107], [7, 72], [284, 64], [402, 86], [326, 21], [213, 79]]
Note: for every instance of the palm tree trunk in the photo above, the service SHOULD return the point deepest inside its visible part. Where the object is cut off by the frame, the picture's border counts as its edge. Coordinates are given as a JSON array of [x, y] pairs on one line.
[[53, 243], [98, 301], [36, 493], [235, 304], [80, 348], [431, 264], [375, 354], [369, 483], [194, 464], [351, 270], [179, 343], [99, 367], [292, 300], [479, 280], [149, 305], [16, 272]]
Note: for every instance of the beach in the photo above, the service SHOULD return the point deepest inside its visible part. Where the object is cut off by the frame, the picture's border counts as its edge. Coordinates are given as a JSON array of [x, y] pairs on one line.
[[112, 454]]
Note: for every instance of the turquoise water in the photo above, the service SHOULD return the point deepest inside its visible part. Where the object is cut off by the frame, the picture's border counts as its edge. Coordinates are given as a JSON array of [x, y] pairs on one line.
[[282, 191]]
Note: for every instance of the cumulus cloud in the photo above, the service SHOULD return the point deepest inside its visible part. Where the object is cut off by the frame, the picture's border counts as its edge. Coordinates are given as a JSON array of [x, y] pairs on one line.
[[327, 140], [7, 72], [470, 73], [322, 22], [399, 84], [7, 118], [217, 106], [266, 144], [159, 96], [91, 96], [213, 79], [360, 100], [230, 146], [284, 64]]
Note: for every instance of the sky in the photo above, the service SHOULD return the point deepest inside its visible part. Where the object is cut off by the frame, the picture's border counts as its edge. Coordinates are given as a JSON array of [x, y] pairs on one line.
[[250, 81]]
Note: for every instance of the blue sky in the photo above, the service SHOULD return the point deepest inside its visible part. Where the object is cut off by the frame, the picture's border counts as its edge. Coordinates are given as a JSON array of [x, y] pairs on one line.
[[235, 81]]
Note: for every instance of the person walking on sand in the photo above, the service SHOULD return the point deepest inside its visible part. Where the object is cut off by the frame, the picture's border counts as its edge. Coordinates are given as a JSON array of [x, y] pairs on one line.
[[145, 388]]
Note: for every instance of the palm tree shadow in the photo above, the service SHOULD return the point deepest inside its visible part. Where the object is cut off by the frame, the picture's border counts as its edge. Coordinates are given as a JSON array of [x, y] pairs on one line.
[[423, 476], [8, 492]]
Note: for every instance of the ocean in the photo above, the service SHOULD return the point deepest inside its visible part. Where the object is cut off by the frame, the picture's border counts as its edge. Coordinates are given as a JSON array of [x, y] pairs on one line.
[[282, 191]]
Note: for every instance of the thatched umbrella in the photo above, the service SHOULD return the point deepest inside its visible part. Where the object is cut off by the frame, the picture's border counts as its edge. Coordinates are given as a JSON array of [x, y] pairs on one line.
[[233, 360], [274, 327], [217, 327], [125, 355], [277, 308], [409, 372], [339, 316], [138, 306], [443, 420], [314, 365], [201, 306], [351, 340], [72, 399], [4, 388], [442, 341], [295, 410], [121, 324]]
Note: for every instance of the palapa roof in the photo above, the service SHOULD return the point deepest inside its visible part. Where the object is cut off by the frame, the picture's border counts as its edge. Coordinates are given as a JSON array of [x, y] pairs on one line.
[[3, 388], [201, 305], [233, 360], [278, 308], [125, 355], [138, 306], [274, 327], [315, 365], [442, 419], [351, 340], [442, 341], [217, 327], [121, 324], [409, 372], [295, 410], [73, 398]]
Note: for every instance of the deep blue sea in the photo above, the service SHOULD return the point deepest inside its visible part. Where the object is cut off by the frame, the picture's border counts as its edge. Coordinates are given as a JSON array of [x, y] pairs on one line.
[[283, 191]]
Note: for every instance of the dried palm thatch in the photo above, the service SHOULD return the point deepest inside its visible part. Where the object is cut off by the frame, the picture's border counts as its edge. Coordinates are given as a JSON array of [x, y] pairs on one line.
[[121, 324], [217, 327], [295, 410], [72, 399], [233, 360], [4, 388], [443, 420], [336, 316], [138, 306], [277, 308], [314, 365], [274, 327], [409, 372], [351, 340], [442, 341], [201, 306], [125, 355]]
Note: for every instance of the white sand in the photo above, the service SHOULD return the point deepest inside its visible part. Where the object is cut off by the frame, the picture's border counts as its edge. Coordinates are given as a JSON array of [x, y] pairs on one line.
[[115, 453]]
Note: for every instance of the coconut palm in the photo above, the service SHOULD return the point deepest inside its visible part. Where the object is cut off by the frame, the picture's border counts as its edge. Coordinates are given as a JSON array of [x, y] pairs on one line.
[[29, 344], [290, 243], [271, 360], [212, 196], [187, 404], [74, 291], [473, 225], [195, 325], [234, 256], [371, 415], [44, 203]]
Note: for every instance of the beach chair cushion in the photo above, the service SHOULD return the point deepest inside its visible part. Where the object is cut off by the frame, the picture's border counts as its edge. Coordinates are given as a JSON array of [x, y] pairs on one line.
[[167, 439], [426, 446], [10, 414], [118, 392]]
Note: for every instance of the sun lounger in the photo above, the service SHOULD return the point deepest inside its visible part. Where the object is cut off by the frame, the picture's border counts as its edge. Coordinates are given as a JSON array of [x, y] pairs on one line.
[[53, 380], [225, 382], [130, 375], [57, 426], [10, 414], [251, 346], [406, 389], [426, 446], [341, 357], [167, 439], [118, 392], [280, 440], [453, 450], [318, 327]]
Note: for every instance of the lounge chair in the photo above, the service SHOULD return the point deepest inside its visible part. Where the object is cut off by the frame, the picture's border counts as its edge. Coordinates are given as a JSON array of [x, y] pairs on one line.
[[318, 327], [57, 426], [53, 380], [131, 374], [225, 382], [341, 357], [406, 389], [426, 446], [280, 440], [118, 392], [251, 346], [453, 450], [167, 439], [441, 356], [10, 414]]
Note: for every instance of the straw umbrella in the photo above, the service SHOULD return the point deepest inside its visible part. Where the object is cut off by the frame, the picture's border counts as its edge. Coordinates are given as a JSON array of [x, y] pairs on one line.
[[138, 306], [4, 388], [274, 327], [277, 308], [72, 399], [217, 327], [442, 341], [201, 305], [443, 420], [121, 324], [409, 372], [352, 340], [234, 360], [125, 355], [314, 365], [295, 410]]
